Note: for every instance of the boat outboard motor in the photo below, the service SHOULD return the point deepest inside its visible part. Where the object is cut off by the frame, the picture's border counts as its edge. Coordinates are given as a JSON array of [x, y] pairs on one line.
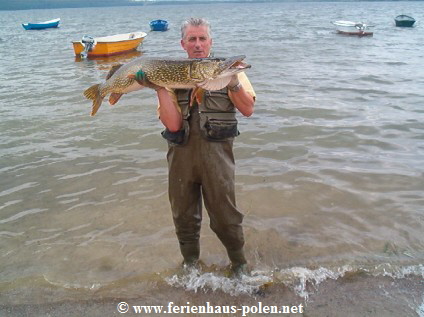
[[88, 42], [361, 26]]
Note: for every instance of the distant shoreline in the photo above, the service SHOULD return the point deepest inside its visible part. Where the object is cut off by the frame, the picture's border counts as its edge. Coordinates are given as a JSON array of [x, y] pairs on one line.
[[63, 4]]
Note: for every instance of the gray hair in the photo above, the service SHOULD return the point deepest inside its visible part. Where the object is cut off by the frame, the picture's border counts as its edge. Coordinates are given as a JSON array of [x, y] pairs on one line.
[[195, 22]]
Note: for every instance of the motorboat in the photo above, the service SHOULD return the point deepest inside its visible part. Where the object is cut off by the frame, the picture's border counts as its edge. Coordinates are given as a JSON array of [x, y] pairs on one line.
[[108, 45], [352, 28]]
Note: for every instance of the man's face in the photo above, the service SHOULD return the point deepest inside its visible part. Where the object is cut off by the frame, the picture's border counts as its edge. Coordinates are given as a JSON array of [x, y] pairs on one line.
[[197, 42]]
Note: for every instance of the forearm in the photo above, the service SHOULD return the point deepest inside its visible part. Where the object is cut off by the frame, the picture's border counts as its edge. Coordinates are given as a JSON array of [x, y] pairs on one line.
[[168, 112], [243, 101]]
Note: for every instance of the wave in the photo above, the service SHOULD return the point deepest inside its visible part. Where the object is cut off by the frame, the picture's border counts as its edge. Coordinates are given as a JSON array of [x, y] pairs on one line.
[[301, 280], [195, 280], [330, 293]]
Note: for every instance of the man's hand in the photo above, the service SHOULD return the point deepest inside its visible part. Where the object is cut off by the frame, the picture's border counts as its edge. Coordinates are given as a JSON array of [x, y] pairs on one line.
[[141, 78], [234, 84]]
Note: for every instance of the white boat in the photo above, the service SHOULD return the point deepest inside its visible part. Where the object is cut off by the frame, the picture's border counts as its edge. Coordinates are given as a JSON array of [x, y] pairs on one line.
[[352, 28]]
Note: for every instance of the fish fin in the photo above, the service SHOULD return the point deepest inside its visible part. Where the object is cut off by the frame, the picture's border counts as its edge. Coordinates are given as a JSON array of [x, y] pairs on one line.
[[114, 97], [113, 70], [93, 93], [193, 95], [215, 84]]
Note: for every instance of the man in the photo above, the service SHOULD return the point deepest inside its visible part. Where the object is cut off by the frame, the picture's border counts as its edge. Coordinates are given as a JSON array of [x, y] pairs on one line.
[[200, 155]]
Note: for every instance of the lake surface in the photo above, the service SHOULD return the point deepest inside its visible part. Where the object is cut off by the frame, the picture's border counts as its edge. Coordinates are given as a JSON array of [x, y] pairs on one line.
[[329, 168]]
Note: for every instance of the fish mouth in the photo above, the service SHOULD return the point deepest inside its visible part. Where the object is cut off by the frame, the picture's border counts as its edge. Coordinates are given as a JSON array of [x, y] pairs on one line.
[[240, 65], [234, 63]]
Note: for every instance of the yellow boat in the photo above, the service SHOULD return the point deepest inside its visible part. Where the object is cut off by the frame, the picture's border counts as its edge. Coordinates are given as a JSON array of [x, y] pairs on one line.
[[108, 45]]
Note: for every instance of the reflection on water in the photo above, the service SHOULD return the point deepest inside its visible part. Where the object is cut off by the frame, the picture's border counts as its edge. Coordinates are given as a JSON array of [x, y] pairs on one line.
[[121, 58]]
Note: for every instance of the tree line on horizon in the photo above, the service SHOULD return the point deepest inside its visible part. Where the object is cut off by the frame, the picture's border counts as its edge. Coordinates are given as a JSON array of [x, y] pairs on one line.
[[56, 4]]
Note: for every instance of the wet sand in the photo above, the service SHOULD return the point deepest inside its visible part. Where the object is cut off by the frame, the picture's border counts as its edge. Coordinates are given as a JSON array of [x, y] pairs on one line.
[[350, 296]]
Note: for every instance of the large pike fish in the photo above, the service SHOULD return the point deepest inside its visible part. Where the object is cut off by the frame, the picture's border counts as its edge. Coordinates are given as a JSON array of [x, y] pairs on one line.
[[206, 73]]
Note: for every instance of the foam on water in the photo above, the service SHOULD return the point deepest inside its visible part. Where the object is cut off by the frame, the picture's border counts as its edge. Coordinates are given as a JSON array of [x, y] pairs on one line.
[[388, 270], [195, 280], [302, 281], [298, 278]]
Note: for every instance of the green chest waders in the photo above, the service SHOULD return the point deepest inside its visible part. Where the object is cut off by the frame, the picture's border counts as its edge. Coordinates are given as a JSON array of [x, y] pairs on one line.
[[204, 169]]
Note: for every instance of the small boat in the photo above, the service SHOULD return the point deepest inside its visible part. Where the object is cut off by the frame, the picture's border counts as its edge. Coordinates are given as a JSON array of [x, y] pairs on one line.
[[404, 20], [159, 25], [42, 25], [352, 28], [108, 45]]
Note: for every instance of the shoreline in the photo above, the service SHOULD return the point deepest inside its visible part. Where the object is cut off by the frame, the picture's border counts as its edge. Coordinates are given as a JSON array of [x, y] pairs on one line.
[[350, 296]]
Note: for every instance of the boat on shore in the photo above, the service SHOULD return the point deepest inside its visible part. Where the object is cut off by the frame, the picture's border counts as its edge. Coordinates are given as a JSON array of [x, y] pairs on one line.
[[108, 45], [159, 25], [352, 28], [404, 20], [42, 25]]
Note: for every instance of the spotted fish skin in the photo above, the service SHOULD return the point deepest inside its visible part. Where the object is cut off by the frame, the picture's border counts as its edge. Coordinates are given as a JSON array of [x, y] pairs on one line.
[[207, 73]]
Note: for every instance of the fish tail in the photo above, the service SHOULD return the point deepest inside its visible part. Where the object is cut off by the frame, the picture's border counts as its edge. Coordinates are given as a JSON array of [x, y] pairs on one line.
[[93, 93]]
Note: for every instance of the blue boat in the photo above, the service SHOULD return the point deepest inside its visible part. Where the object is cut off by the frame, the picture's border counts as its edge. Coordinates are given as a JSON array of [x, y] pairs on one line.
[[41, 25], [159, 25]]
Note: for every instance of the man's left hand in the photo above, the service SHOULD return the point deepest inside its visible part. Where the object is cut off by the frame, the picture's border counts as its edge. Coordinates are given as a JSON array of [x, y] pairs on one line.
[[141, 78], [234, 83]]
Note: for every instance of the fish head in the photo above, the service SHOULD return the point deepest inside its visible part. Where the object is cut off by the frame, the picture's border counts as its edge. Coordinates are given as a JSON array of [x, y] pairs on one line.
[[231, 66], [211, 68]]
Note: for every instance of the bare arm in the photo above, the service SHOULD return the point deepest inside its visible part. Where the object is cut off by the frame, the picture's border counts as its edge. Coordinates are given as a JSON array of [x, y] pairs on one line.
[[243, 101], [168, 112], [168, 109]]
